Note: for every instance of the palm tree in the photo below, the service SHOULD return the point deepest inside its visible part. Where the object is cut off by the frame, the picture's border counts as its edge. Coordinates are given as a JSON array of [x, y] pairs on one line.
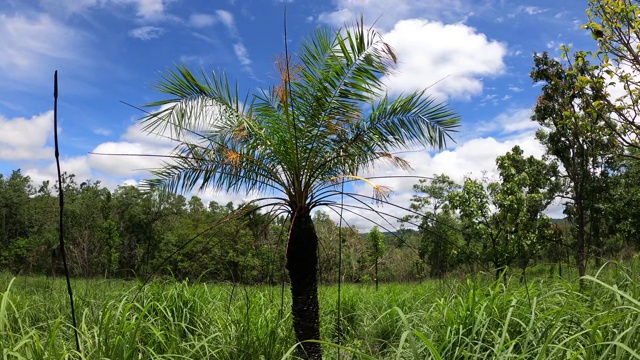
[[327, 120]]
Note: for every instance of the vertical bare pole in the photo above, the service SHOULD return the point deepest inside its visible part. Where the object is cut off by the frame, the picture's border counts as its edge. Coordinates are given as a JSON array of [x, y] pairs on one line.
[[340, 266], [61, 217]]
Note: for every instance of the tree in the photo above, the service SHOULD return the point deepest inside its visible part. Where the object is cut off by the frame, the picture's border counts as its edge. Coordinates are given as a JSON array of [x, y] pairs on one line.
[[327, 120], [440, 238], [528, 186], [481, 232], [576, 134], [615, 25], [376, 248], [507, 216]]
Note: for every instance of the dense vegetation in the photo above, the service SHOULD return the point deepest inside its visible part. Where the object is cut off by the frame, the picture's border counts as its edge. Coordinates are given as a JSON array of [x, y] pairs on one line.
[[128, 233], [474, 318]]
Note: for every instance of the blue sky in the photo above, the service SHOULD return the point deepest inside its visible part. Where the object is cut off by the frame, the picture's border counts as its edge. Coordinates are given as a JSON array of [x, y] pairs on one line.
[[108, 51]]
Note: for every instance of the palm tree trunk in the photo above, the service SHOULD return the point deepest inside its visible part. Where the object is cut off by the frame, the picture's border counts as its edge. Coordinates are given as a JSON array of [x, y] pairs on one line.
[[302, 265]]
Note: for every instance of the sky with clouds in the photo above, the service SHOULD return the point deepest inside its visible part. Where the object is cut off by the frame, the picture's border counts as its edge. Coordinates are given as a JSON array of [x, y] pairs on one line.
[[475, 54]]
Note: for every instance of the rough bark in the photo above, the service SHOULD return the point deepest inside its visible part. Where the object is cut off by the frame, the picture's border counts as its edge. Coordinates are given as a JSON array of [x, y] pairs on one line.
[[302, 265]]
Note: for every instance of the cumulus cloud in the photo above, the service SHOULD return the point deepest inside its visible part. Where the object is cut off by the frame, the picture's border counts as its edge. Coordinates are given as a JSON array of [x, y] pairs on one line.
[[510, 122], [474, 158], [450, 59], [25, 139], [387, 12], [134, 141], [127, 164], [77, 166]]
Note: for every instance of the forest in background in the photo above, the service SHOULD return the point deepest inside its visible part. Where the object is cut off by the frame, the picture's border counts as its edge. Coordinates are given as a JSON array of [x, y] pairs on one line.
[[480, 225]]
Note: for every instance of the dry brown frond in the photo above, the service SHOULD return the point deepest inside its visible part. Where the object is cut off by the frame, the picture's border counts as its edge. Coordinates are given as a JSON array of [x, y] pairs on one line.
[[231, 157], [380, 192], [240, 133], [336, 124], [395, 160], [286, 74]]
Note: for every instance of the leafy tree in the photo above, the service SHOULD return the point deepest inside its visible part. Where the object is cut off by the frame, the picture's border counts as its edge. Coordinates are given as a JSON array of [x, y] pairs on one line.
[[16, 220], [327, 120], [480, 229], [14, 200], [442, 245], [577, 135], [330, 237], [89, 252], [615, 25], [376, 248], [506, 216], [441, 239], [135, 213], [528, 186]]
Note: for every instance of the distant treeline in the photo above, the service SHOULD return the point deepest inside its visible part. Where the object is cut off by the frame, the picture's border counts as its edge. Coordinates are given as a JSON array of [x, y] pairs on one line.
[[128, 232]]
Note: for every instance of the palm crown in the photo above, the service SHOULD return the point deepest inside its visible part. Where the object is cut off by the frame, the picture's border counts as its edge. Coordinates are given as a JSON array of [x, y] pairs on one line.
[[329, 118]]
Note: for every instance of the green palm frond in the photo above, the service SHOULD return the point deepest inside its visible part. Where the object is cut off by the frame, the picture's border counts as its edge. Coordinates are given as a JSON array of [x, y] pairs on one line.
[[330, 117]]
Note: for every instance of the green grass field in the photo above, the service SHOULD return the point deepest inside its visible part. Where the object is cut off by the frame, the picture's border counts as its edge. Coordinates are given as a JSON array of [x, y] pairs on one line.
[[548, 318]]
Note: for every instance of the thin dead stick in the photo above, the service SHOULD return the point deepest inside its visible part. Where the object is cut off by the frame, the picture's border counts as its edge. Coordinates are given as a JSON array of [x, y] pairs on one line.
[[61, 217]]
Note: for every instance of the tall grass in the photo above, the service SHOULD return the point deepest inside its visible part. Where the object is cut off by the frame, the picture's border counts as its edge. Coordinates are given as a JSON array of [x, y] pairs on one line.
[[474, 318]]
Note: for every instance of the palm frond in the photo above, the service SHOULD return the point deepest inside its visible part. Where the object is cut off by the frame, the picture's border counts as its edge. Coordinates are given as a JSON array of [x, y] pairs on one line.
[[328, 118]]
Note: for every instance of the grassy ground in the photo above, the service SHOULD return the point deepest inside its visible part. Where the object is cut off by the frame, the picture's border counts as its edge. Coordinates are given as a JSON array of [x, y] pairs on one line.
[[546, 318]]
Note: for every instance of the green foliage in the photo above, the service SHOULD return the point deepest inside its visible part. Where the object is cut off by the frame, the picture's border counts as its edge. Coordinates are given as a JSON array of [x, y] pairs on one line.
[[615, 26], [455, 319], [441, 240], [376, 249], [579, 136], [504, 221]]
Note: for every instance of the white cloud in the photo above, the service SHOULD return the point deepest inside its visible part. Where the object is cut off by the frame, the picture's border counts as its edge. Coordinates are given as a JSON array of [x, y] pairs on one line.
[[146, 32], [226, 18], [450, 59], [77, 166], [134, 141], [510, 122], [32, 46], [25, 139], [242, 54], [127, 165], [387, 12], [102, 131], [146, 10], [474, 156], [202, 20], [534, 10]]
